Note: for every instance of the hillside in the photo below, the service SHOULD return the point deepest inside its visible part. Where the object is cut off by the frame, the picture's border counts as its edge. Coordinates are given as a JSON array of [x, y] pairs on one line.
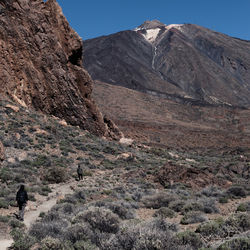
[[173, 85], [173, 199], [162, 122], [186, 63]]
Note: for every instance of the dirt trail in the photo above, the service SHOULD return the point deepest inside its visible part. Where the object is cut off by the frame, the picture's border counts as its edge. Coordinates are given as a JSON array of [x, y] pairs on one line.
[[58, 191], [44, 204]]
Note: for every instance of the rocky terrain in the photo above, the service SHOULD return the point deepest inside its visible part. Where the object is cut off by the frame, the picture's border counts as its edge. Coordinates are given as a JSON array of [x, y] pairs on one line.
[[132, 196], [191, 192], [41, 64], [157, 121], [178, 86], [186, 63]]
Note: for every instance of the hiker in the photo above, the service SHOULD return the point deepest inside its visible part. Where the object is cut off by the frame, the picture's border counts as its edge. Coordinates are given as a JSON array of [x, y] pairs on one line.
[[80, 172], [21, 198]]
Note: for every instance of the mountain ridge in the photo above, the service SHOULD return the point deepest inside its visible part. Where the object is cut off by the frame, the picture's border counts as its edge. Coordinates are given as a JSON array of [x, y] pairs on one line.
[[186, 60]]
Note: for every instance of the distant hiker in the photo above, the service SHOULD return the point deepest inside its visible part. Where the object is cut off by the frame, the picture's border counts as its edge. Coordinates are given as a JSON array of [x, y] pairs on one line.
[[21, 198], [79, 172]]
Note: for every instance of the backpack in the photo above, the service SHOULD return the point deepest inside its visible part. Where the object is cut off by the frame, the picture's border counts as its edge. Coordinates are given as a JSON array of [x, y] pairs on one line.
[[21, 197], [79, 171]]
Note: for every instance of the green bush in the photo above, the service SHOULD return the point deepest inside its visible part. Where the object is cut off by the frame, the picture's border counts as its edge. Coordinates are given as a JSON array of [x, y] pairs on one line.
[[189, 238], [6, 175], [236, 192], [99, 218], [164, 212], [193, 217], [4, 219], [3, 203], [50, 243], [80, 245], [22, 241], [223, 200], [236, 244], [213, 228], [158, 200], [242, 208], [177, 205], [14, 223]]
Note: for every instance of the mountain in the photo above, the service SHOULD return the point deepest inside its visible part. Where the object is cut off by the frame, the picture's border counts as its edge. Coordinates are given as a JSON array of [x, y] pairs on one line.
[[182, 62], [41, 64], [180, 86]]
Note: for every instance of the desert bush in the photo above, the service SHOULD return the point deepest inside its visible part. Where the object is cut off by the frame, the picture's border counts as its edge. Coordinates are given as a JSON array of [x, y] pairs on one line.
[[21, 241], [209, 206], [3, 203], [55, 175], [6, 175], [53, 228], [80, 245], [122, 209], [158, 200], [4, 219], [236, 244], [212, 228], [156, 234], [189, 238], [80, 196], [193, 217], [64, 208], [99, 218], [164, 212], [14, 223], [223, 199], [220, 228], [41, 160], [49, 243], [243, 207], [79, 232], [177, 205], [236, 192], [241, 221], [211, 191], [192, 206]]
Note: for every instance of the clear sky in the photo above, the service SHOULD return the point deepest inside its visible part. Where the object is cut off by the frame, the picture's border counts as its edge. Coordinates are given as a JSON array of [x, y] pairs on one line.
[[93, 18]]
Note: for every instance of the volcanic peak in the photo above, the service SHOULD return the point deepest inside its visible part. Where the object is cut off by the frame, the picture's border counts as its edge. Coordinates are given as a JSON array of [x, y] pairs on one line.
[[150, 30]]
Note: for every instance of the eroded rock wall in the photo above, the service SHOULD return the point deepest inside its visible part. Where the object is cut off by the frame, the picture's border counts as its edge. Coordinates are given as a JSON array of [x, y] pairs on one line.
[[41, 63]]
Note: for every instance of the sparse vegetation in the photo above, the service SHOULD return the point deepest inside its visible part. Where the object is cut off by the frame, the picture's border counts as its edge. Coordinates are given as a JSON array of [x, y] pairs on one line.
[[120, 203]]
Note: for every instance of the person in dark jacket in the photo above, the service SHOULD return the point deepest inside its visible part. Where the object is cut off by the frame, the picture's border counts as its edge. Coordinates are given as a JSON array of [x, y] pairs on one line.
[[80, 173], [21, 198]]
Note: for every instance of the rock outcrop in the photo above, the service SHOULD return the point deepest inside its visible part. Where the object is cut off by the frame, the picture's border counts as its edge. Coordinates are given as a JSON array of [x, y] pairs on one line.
[[41, 64]]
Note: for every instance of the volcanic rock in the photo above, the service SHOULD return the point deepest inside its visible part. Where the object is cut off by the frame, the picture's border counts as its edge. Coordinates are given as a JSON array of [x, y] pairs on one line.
[[181, 62], [41, 64]]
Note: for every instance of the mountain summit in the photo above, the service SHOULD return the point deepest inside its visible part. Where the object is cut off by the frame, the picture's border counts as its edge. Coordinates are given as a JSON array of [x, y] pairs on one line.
[[181, 62], [151, 25]]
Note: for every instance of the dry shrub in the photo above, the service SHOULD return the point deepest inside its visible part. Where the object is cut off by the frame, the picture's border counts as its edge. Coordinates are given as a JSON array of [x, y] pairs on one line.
[[56, 175]]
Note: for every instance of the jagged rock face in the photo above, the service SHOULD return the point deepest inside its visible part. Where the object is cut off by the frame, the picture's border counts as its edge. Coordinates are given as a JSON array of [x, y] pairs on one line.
[[41, 63], [184, 63]]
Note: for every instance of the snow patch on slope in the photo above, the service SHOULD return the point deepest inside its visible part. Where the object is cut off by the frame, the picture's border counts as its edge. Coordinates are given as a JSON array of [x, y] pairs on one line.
[[151, 34], [177, 26]]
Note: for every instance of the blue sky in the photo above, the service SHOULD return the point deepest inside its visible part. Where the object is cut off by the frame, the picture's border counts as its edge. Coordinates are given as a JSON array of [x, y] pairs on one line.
[[93, 18]]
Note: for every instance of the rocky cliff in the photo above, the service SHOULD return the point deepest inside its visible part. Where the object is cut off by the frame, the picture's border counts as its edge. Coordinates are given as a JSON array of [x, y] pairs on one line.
[[185, 63], [41, 64]]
